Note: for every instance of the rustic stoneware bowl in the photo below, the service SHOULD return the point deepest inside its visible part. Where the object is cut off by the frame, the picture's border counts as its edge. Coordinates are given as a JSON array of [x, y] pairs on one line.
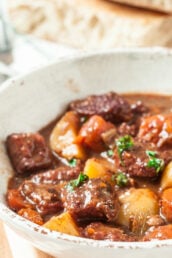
[[29, 102]]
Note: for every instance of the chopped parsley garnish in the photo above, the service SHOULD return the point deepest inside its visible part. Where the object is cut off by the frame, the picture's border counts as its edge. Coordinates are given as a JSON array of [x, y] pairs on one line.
[[151, 154], [121, 179], [110, 153], [154, 162], [77, 182], [72, 162], [124, 143]]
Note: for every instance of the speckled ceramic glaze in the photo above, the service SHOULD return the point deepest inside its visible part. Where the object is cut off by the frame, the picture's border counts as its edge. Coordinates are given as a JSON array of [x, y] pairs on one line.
[[31, 101]]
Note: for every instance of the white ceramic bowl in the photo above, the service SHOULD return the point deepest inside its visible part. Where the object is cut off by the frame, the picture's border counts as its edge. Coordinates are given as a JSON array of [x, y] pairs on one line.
[[32, 101]]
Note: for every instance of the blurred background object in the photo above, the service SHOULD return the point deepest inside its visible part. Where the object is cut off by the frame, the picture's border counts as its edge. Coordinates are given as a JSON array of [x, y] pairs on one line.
[[158, 5], [5, 30], [92, 24], [22, 53]]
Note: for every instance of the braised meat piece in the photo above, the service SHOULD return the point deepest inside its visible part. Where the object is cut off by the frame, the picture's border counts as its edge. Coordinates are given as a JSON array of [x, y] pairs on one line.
[[138, 108], [45, 199], [141, 160], [95, 199], [28, 152], [128, 129], [110, 106], [100, 231], [54, 176]]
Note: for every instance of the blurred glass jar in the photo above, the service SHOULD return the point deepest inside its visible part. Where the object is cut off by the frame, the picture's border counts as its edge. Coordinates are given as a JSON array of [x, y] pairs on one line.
[[6, 33]]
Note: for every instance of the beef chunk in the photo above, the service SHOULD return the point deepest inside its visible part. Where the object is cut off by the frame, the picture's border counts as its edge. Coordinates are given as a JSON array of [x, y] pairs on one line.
[[136, 161], [110, 106], [95, 199], [127, 129], [45, 199], [139, 108], [62, 173], [28, 152], [100, 231]]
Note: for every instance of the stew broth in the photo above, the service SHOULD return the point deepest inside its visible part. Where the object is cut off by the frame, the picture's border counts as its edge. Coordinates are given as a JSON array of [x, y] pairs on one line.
[[104, 168]]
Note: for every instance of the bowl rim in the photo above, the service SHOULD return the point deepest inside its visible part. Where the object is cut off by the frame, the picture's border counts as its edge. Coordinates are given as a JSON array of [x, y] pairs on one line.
[[10, 217], [133, 52]]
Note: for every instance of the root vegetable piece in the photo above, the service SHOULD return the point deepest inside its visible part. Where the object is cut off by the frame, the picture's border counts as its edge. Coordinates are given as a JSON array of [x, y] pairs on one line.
[[136, 206], [91, 131], [63, 137], [31, 215], [63, 223], [15, 200], [97, 168], [156, 129], [166, 179], [28, 152], [166, 204], [159, 233]]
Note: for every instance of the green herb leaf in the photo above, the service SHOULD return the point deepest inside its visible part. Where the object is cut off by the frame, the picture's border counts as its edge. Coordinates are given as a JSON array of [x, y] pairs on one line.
[[110, 153], [121, 179], [124, 143], [151, 154], [154, 162], [72, 162], [77, 182]]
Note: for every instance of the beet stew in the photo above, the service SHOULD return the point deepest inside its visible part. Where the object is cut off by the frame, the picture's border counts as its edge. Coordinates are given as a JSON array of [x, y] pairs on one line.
[[103, 170]]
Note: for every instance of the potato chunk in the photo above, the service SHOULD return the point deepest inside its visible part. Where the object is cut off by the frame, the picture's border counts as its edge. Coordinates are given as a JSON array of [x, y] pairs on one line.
[[63, 223], [136, 206], [166, 204], [166, 179], [98, 168], [63, 137]]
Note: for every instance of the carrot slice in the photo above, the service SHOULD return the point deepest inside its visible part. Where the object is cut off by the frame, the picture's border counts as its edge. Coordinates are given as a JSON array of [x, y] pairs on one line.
[[160, 233], [15, 200], [31, 215], [91, 131]]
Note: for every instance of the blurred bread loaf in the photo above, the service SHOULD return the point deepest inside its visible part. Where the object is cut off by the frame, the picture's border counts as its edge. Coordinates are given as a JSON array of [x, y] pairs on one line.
[[160, 5], [91, 23]]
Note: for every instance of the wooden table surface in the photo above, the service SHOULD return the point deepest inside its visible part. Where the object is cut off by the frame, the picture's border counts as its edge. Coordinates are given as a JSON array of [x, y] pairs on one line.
[[12, 246]]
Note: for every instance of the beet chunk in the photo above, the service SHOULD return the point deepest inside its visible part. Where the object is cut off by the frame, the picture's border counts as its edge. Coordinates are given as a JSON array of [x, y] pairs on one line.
[[45, 199], [95, 199], [28, 152], [100, 231], [110, 106]]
